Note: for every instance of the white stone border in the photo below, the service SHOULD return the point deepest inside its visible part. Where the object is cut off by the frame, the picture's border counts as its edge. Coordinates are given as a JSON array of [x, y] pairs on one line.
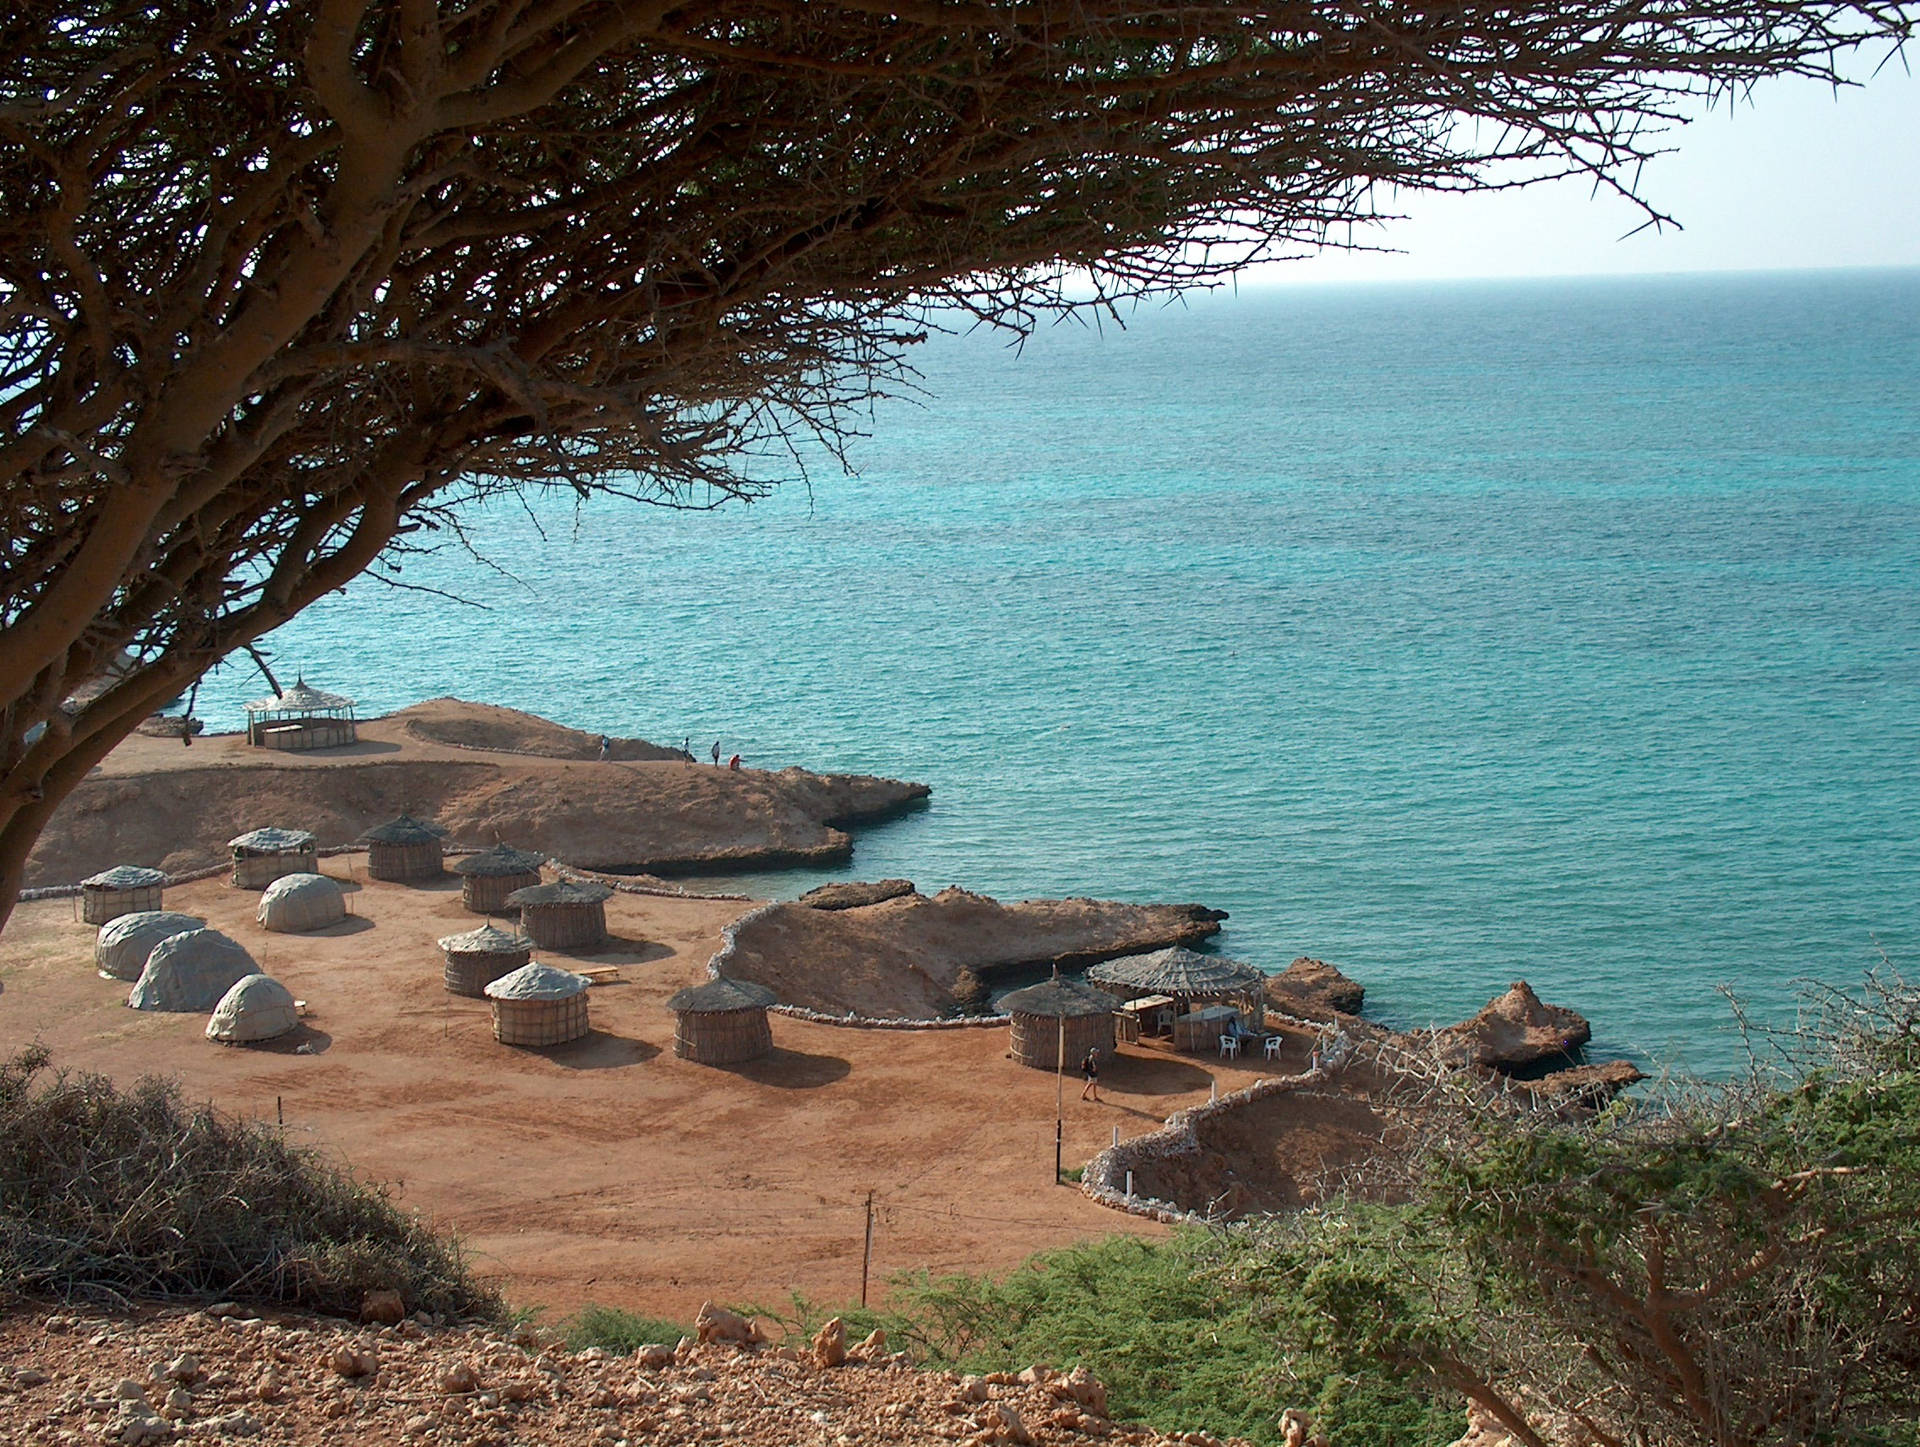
[[1104, 1179]]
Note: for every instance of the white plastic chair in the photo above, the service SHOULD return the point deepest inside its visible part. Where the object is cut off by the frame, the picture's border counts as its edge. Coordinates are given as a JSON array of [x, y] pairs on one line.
[[1229, 1045], [1274, 1042]]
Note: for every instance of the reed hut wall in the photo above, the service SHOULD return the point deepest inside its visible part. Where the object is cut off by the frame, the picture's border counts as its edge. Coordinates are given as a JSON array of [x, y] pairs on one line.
[[1037, 1038], [470, 972], [257, 871], [570, 924], [721, 1037], [487, 893], [540, 1022], [100, 904], [403, 862]]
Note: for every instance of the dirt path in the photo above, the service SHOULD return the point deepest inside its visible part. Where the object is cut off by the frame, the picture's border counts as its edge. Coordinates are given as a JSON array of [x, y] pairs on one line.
[[608, 1170]]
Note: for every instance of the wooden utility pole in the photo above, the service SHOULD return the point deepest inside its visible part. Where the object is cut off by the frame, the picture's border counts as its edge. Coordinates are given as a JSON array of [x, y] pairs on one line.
[[866, 1255]]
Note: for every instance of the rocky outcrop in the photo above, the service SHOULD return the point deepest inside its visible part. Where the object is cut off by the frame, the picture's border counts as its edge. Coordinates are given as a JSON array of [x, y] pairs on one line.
[[904, 957], [1313, 989], [855, 895], [1516, 1034], [1581, 1089]]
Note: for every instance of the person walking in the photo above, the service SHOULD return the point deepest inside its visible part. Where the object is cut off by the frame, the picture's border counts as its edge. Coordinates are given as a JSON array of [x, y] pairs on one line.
[[1090, 1072], [606, 747]]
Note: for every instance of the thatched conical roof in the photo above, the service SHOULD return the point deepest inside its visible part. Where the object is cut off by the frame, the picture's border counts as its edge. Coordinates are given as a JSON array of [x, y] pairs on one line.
[[404, 830], [717, 997], [489, 939], [535, 981], [1178, 971], [273, 841], [500, 860], [303, 697], [565, 891], [1059, 999], [125, 876]]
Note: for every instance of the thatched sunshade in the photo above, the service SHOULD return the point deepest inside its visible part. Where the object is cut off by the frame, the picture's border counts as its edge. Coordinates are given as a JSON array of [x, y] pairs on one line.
[[570, 914], [257, 1008], [538, 1005], [123, 889], [486, 879], [404, 849], [1058, 1021], [121, 949], [1189, 978], [261, 856], [479, 957], [294, 903], [191, 971], [302, 717], [722, 1022]]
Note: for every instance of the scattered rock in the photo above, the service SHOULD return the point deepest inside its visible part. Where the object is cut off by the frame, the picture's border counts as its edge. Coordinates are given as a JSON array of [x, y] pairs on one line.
[[1004, 1422], [830, 1344], [458, 1378], [27, 1377], [179, 1402], [716, 1324], [269, 1386], [654, 1356], [183, 1368], [232, 1424], [973, 1389], [1312, 988], [351, 1361], [1083, 1388], [1515, 1034], [383, 1308], [870, 1348]]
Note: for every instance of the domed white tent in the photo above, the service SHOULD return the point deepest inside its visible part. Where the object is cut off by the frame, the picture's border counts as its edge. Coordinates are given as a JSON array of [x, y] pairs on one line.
[[258, 1007], [191, 971], [296, 902], [121, 949]]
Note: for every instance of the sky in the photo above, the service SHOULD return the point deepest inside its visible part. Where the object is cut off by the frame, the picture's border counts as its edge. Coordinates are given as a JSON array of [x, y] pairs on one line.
[[1797, 177]]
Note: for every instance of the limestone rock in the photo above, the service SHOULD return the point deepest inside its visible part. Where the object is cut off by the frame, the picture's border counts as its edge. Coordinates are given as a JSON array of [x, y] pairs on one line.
[[830, 1344], [717, 1324], [351, 1361], [870, 1348], [1313, 987], [1084, 1388], [183, 1368], [383, 1307], [855, 895], [1584, 1088], [1516, 1032], [1003, 1420], [458, 1378], [654, 1356]]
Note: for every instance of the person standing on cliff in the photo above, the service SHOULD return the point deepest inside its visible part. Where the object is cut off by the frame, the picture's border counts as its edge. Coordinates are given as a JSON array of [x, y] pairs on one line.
[[716, 753], [1090, 1072]]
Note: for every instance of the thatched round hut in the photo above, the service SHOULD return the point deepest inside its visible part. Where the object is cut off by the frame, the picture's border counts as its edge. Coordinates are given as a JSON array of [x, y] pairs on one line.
[[191, 971], [120, 951], [721, 1022], [257, 1008], [1188, 978], [405, 849], [303, 717], [538, 1005], [568, 915], [1056, 1022], [263, 855], [295, 903], [123, 889], [486, 879], [479, 957]]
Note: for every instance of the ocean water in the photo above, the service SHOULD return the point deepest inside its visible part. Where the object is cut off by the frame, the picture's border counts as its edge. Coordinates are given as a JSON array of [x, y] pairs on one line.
[[1454, 634]]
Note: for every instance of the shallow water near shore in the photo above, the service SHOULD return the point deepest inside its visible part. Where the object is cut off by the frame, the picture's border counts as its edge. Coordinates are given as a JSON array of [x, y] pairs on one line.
[[1454, 634]]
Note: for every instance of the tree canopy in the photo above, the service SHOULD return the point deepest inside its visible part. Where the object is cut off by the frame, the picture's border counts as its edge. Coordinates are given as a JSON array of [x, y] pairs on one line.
[[282, 284]]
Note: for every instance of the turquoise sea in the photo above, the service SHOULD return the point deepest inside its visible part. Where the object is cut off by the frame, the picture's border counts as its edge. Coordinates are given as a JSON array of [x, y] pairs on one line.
[[1455, 634]]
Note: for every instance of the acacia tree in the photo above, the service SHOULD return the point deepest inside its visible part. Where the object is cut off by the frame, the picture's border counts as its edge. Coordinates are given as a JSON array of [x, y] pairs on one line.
[[281, 283]]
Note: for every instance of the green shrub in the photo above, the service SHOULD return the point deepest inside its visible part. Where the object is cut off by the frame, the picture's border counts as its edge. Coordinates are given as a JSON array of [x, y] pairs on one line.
[[108, 1193], [615, 1330]]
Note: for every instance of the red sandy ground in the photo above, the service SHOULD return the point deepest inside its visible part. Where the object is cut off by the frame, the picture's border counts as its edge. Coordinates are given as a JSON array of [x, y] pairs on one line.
[[609, 1170]]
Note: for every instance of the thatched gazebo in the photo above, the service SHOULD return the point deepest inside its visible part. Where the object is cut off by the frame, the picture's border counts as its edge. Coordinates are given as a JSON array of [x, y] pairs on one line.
[[479, 957], [1058, 1021], [191, 971], [568, 915], [121, 949], [1188, 978], [295, 903], [302, 717], [257, 1008], [538, 1005], [123, 889], [722, 1022], [263, 855], [486, 879], [405, 849]]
